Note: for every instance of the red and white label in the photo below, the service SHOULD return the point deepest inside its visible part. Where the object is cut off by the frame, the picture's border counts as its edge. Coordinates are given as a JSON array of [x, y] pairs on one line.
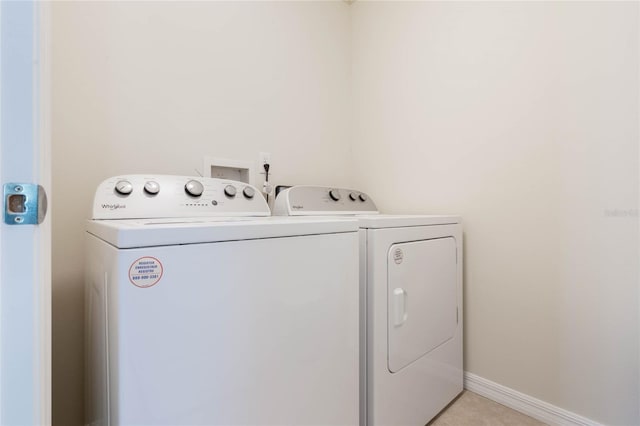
[[145, 272]]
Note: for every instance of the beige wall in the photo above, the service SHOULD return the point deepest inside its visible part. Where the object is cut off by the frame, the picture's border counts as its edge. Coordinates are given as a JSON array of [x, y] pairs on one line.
[[153, 87], [522, 117]]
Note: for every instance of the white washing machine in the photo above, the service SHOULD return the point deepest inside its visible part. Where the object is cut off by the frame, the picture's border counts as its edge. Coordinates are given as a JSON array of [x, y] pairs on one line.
[[411, 304], [199, 314]]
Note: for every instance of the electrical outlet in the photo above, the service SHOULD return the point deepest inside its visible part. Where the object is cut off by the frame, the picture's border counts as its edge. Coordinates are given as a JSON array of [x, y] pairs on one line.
[[263, 158]]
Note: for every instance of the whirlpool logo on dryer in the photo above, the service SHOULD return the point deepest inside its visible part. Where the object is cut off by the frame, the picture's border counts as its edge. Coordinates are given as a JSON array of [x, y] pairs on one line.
[[114, 206]]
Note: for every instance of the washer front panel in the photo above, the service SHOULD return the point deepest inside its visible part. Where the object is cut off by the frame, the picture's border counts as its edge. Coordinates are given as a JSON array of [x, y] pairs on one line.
[[256, 332]]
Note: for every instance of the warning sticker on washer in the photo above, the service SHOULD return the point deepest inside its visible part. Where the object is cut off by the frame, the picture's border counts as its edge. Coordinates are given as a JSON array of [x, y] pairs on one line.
[[145, 272]]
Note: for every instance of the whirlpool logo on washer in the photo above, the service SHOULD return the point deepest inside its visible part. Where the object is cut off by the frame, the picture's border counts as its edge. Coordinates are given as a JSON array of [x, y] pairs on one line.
[[297, 207], [114, 206], [398, 256]]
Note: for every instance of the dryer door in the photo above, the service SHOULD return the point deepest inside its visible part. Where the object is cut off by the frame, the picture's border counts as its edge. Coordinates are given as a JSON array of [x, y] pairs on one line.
[[422, 311]]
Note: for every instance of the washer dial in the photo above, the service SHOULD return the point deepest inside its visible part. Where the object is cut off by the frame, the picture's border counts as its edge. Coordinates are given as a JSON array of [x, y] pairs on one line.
[[248, 192], [194, 188], [124, 187], [151, 187], [334, 194], [230, 191]]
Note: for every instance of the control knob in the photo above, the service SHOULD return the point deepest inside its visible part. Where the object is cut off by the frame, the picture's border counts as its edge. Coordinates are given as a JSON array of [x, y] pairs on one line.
[[353, 196], [194, 188], [248, 192], [363, 197], [151, 187], [124, 187], [334, 194], [230, 191]]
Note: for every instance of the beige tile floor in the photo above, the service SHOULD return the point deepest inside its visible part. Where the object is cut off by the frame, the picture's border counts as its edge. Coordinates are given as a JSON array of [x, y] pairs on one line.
[[471, 409]]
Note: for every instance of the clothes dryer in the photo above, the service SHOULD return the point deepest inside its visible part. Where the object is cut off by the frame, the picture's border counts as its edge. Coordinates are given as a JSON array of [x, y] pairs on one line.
[[410, 304], [202, 310]]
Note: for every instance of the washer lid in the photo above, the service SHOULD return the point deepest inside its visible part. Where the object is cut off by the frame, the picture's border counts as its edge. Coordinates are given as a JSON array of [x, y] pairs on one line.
[[131, 233], [398, 221]]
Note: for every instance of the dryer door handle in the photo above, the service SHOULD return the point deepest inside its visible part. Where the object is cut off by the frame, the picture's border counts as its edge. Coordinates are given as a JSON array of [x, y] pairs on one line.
[[399, 307]]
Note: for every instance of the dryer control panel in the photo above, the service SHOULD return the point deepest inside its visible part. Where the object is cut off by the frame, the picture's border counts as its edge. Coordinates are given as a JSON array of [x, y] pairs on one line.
[[320, 200], [166, 196]]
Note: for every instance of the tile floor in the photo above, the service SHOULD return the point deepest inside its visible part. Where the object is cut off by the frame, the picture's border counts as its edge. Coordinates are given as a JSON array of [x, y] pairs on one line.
[[471, 409]]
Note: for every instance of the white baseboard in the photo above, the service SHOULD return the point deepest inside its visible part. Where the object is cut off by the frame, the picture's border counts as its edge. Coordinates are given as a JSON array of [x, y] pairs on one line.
[[525, 404]]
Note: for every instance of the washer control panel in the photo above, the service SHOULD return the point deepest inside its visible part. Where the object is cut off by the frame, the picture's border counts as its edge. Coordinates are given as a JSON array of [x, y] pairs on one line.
[[165, 196], [320, 200]]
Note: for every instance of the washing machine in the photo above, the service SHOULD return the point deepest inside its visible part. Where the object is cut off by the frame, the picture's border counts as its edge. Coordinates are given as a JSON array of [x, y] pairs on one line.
[[411, 304], [204, 310]]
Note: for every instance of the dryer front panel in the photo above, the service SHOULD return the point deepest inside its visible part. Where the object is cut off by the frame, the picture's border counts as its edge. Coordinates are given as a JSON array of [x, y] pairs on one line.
[[422, 307]]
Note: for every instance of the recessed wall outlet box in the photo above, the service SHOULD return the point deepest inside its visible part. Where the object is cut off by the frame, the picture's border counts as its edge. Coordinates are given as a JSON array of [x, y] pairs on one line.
[[223, 168]]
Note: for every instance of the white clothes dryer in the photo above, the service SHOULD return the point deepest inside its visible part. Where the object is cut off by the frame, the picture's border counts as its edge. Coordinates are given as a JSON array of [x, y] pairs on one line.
[[410, 305], [199, 314]]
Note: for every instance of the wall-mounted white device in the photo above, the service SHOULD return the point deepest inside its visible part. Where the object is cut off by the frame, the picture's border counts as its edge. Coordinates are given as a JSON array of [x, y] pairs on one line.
[[223, 168]]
